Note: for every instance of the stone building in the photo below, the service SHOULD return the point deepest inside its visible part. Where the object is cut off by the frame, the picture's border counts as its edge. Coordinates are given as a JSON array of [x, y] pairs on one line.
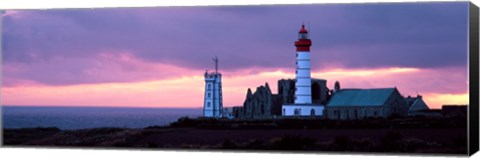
[[450, 111], [416, 106], [351, 104], [259, 104], [264, 104], [320, 91]]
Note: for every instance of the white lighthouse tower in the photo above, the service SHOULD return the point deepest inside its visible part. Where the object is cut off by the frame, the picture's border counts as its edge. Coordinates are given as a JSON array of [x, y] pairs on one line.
[[303, 90], [213, 104]]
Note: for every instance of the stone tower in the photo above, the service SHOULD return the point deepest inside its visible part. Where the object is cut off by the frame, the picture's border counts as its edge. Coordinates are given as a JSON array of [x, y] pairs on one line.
[[337, 86]]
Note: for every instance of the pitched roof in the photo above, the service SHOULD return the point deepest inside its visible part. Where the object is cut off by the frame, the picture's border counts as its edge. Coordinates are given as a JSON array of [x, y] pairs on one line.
[[361, 97], [410, 100]]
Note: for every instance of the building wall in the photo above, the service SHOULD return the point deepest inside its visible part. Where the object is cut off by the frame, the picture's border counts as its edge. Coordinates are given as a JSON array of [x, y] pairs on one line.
[[303, 91], [320, 95], [353, 113], [303, 110], [394, 105], [213, 100], [286, 91]]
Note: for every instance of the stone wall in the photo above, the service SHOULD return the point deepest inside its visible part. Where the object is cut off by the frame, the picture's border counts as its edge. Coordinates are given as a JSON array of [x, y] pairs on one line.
[[257, 105], [320, 92], [286, 91], [264, 104]]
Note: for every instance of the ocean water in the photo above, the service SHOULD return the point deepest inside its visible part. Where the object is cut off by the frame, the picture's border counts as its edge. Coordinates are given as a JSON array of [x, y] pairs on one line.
[[91, 117]]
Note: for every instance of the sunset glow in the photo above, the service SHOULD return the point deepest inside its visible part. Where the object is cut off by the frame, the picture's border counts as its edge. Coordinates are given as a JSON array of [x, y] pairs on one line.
[[188, 91]]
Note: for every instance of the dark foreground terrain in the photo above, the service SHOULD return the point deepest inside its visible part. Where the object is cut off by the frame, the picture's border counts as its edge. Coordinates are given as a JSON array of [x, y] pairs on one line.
[[437, 136]]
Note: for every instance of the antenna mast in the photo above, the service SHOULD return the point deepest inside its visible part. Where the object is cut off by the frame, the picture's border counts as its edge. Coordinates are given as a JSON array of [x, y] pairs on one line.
[[308, 27], [215, 59]]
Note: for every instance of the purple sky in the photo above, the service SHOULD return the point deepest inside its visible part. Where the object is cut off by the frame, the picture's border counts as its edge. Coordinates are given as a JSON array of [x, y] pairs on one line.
[[72, 47], [55, 47]]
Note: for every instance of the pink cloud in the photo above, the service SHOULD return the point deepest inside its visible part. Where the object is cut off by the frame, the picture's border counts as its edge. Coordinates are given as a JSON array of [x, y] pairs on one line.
[[187, 91]]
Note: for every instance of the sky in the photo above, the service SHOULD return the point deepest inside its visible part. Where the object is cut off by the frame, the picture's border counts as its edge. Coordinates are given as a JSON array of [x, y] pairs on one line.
[[156, 57]]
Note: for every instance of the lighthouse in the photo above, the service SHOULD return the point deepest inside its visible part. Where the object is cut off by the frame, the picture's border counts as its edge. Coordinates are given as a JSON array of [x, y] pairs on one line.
[[303, 105], [213, 102], [303, 91]]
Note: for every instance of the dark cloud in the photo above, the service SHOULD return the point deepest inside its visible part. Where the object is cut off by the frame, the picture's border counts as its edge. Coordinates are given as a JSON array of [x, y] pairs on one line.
[[425, 35]]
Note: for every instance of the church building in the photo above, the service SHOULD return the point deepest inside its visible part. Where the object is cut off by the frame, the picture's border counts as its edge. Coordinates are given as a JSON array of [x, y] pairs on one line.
[[354, 104]]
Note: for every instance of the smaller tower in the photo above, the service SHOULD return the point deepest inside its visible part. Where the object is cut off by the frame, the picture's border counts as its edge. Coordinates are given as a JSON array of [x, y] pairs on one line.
[[337, 86], [213, 102]]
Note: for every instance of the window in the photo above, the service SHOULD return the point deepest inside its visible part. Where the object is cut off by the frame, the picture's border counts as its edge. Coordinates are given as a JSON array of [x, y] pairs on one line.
[[208, 104], [283, 112], [302, 36], [296, 111], [209, 86], [208, 94], [312, 112], [356, 114]]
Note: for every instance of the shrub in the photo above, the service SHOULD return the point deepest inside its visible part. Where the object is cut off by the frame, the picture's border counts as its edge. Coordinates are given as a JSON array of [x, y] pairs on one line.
[[228, 144], [293, 142], [341, 143]]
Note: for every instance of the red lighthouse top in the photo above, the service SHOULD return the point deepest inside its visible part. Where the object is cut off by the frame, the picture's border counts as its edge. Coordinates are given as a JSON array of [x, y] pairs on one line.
[[303, 43], [303, 30]]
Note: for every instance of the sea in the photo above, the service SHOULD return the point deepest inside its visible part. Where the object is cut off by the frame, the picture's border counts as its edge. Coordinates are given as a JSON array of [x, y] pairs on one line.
[[70, 118]]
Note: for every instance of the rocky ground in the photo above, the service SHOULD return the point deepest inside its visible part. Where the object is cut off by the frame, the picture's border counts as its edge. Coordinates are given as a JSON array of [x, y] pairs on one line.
[[188, 135]]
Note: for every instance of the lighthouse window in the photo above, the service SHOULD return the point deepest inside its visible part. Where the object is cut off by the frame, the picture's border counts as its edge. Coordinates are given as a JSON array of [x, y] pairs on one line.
[[303, 36]]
